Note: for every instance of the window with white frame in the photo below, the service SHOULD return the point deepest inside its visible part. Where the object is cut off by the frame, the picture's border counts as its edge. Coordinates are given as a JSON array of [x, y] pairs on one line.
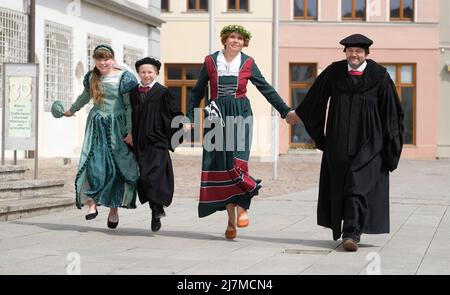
[[237, 5], [131, 55], [92, 42], [353, 9], [305, 9], [57, 64], [13, 39], [197, 5], [402, 10]]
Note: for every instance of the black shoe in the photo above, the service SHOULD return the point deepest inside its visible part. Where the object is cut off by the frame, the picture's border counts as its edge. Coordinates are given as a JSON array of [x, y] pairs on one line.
[[156, 224], [91, 216], [112, 224], [258, 181]]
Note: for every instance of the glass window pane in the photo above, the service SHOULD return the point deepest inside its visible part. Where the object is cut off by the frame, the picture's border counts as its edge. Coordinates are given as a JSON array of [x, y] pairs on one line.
[[346, 8], [174, 72], [192, 72], [164, 5], [392, 70], [360, 8], [191, 4], [243, 5], [204, 4], [298, 131], [298, 8], [407, 74], [395, 8], [407, 105], [302, 73], [312, 8], [231, 4], [408, 8]]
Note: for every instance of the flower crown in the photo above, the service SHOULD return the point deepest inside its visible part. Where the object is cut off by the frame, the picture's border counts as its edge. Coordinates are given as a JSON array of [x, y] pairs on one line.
[[236, 29]]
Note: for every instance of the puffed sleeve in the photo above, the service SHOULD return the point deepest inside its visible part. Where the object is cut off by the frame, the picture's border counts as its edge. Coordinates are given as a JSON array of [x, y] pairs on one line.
[[84, 97], [127, 82]]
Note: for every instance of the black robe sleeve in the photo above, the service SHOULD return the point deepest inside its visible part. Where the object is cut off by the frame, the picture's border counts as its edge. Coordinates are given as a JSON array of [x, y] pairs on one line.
[[392, 118], [312, 110], [169, 111]]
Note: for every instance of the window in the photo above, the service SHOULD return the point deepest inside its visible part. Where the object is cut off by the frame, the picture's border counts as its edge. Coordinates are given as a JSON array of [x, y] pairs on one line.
[[13, 40], [197, 5], [353, 9], [180, 79], [57, 64], [305, 9], [404, 77], [301, 77], [92, 42], [131, 55], [164, 5], [237, 5], [402, 10]]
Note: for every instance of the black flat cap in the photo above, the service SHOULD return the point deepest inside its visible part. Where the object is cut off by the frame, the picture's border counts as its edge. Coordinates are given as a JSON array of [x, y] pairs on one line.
[[148, 61], [357, 40]]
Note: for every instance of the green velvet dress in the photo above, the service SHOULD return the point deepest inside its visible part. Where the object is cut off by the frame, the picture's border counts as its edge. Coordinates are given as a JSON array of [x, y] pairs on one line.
[[108, 170]]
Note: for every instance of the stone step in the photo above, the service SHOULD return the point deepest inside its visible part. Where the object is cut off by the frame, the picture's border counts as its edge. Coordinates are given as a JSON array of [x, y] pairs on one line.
[[12, 172], [15, 209], [23, 189]]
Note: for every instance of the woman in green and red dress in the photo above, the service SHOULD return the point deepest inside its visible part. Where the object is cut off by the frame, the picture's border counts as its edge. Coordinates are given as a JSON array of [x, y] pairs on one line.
[[225, 179]]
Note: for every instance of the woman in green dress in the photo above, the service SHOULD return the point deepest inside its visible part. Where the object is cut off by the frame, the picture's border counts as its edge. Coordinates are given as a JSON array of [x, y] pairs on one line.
[[225, 179], [108, 172]]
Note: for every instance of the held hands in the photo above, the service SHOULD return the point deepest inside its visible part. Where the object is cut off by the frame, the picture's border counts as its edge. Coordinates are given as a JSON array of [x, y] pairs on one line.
[[68, 114], [292, 118], [187, 127], [128, 139]]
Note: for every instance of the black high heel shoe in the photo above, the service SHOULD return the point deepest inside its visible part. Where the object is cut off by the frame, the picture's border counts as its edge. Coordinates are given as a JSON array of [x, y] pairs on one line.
[[112, 224], [91, 216]]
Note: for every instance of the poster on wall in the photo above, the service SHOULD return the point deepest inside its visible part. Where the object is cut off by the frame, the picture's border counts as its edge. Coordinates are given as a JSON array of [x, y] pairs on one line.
[[20, 107]]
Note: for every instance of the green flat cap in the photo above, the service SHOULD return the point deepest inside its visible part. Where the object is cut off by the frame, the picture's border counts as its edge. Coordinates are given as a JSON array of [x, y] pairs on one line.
[[58, 109]]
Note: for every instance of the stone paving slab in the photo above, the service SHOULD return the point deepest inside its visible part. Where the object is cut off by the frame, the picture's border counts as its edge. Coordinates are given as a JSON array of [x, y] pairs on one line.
[[282, 238]]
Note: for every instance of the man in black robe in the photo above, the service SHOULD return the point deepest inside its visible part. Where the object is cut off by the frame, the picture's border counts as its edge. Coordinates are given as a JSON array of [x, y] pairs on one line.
[[153, 109], [361, 143]]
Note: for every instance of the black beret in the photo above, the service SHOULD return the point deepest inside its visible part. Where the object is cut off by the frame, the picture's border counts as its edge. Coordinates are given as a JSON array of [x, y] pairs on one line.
[[148, 61], [356, 40]]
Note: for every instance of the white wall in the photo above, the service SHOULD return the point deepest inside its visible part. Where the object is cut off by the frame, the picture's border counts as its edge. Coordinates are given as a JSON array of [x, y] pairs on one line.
[[64, 137], [18, 5]]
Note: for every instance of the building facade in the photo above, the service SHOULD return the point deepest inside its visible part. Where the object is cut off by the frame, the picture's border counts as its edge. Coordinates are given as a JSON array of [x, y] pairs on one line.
[[185, 43], [63, 36], [444, 85], [406, 42]]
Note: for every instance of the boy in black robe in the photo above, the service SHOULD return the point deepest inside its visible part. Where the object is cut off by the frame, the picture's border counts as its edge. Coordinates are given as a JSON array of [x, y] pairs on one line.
[[153, 109], [361, 143]]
